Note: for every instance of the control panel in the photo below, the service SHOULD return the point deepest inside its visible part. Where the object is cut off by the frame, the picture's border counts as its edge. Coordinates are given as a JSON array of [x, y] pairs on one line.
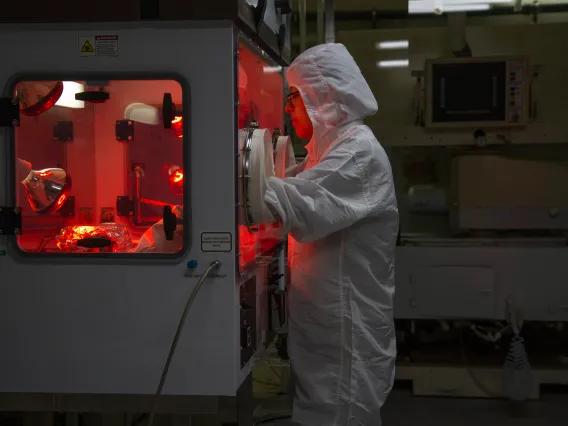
[[516, 90], [476, 92]]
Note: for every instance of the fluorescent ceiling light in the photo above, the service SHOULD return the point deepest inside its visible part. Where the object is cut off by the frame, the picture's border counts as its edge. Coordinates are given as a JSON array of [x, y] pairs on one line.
[[451, 8], [396, 63], [443, 6], [67, 99], [465, 7], [392, 44], [467, 2]]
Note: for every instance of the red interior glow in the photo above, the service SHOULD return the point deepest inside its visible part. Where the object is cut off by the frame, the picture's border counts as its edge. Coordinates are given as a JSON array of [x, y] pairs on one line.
[[104, 167], [177, 176], [60, 202], [118, 234], [46, 102], [177, 125], [176, 180], [247, 247], [260, 95]]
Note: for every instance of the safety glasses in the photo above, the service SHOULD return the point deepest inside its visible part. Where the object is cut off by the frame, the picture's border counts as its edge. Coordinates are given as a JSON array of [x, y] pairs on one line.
[[290, 99]]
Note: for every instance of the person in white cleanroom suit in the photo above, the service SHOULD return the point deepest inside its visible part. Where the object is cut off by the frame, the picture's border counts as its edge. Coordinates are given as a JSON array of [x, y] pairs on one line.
[[340, 207]]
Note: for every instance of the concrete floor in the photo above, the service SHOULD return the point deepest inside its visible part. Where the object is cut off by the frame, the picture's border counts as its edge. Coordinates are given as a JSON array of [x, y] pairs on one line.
[[403, 409]]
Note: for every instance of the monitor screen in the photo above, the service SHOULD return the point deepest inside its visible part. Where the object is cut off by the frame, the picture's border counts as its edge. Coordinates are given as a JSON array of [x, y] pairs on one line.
[[468, 92]]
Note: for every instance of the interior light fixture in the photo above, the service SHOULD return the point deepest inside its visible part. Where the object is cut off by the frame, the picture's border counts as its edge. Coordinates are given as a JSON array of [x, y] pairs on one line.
[[465, 2], [275, 69], [442, 6], [395, 63], [392, 44], [450, 8], [67, 99]]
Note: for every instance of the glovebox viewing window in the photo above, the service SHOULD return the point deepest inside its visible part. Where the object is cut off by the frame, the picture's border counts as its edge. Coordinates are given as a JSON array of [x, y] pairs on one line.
[[98, 164], [261, 100]]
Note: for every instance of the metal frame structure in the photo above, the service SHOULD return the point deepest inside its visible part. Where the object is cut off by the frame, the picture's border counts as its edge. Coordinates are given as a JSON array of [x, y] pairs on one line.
[[61, 379]]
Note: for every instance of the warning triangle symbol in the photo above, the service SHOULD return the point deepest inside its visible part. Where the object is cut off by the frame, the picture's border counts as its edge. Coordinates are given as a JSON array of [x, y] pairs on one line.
[[87, 47]]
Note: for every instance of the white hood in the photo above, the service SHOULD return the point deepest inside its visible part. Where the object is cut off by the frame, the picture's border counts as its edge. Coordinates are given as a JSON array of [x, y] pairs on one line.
[[341, 212], [334, 91]]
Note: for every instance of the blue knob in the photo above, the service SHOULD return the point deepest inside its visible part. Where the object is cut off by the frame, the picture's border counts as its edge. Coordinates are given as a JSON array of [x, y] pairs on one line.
[[192, 264]]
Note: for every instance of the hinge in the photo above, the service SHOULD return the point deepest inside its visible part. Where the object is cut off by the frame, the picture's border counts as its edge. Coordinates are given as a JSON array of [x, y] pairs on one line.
[[9, 112], [10, 220]]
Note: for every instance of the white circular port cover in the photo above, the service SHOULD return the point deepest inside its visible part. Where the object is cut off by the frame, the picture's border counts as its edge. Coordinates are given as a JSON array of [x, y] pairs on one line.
[[256, 164]]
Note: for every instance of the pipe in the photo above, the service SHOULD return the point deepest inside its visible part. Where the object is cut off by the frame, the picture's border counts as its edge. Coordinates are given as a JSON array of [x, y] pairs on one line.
[[303, 25], [402, 19], [329, 14], [137, 195], [155, 203], [457, 23], [367, 15], [320, 22]]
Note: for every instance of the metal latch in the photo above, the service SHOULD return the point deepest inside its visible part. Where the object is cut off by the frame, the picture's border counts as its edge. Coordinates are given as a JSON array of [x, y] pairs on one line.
[[10, 220], [9, 112]]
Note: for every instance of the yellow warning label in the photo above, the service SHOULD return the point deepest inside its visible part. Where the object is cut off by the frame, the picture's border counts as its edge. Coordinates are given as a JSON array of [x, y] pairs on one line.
[[87, 47]]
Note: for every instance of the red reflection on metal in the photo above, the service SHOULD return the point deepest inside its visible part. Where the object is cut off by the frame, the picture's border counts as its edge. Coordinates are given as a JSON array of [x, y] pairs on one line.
[[56, 206], [78, 233], [260, 92], [46, 102], [60, 202], [291, 255], [253, 244], [247, 247], [116, 233]]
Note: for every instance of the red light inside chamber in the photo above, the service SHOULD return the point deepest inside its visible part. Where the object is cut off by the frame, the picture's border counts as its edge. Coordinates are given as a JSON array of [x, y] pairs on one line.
[[119, 235], [177, 176], [247, 247], [45, 103], [177, 125], [175, 179]]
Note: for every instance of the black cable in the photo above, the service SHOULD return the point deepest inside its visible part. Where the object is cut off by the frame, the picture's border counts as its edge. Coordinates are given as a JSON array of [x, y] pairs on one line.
[[138, 421], [268, 419]]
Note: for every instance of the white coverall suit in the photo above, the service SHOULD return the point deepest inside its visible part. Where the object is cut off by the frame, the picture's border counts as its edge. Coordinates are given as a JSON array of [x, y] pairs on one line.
[[340, 207]]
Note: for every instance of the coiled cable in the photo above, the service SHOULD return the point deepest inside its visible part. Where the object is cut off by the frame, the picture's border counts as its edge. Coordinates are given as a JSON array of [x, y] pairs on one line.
[[517, 374]]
